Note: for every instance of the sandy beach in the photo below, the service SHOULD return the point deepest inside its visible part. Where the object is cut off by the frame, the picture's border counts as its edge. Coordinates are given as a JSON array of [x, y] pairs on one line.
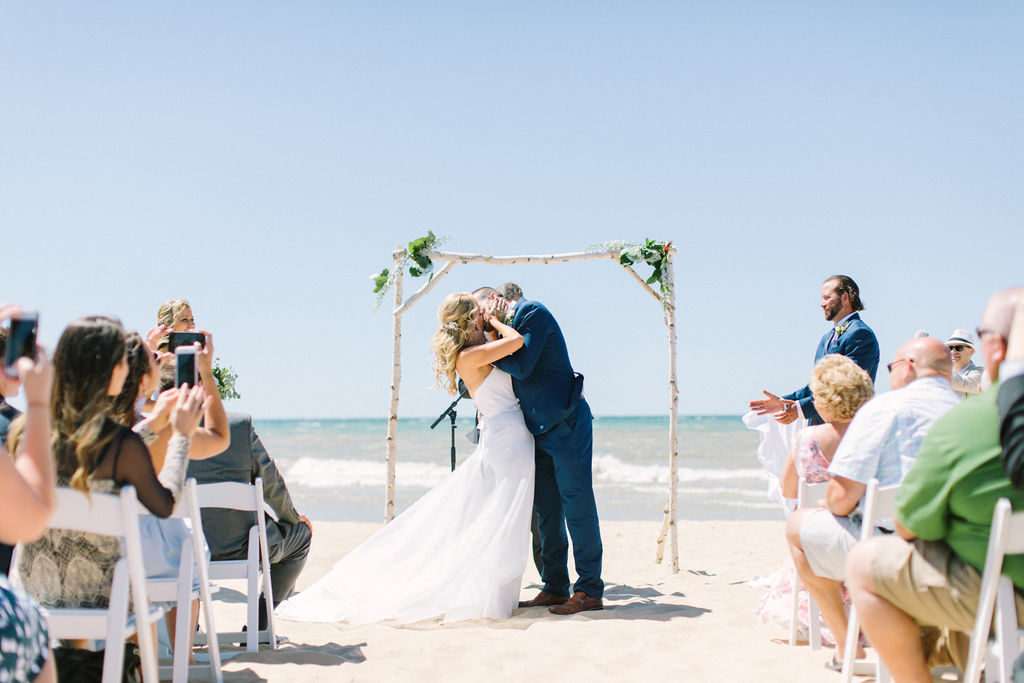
[[697, 625]]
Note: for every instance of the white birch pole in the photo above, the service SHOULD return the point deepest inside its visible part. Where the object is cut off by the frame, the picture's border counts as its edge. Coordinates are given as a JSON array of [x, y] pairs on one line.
[[516, 260], [396, 380], [673, 426]]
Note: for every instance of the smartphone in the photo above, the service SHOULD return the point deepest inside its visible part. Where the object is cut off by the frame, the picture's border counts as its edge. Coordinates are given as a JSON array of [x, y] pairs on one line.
[[21, 340], [185, 370], [176, 339]]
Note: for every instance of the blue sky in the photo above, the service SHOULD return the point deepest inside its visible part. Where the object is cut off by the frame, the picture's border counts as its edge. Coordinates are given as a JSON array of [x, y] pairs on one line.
[[263, 159]]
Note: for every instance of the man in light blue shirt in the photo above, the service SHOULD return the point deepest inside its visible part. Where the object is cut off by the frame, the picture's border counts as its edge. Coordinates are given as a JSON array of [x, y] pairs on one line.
[[881, 443]]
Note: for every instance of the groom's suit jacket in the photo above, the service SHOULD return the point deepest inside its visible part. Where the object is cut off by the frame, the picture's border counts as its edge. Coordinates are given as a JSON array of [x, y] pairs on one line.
[[858, 343], [542, 377]]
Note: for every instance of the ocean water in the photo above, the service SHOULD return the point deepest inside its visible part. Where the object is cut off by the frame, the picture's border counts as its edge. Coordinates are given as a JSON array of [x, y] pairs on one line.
[[335, 469]]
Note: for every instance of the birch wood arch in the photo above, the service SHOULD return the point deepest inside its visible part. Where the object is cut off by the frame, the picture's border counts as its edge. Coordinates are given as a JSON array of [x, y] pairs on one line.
[[451, 259]]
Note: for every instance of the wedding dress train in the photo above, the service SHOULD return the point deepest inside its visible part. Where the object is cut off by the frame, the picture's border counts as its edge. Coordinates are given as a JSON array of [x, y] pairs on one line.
[[459, 552]]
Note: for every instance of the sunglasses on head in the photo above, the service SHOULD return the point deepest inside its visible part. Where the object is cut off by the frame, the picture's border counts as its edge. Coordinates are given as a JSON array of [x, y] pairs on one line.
[[958, 347]]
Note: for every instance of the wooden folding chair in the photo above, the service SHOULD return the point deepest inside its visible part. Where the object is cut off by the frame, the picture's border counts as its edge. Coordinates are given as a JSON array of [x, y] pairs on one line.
[[807, 495], [997, 594], [109, 515], [879, 503], [179, 589], [255, 569]]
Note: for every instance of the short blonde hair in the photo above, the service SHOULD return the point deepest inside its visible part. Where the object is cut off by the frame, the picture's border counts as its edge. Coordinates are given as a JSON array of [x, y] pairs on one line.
[[840, 387], [457, 316]]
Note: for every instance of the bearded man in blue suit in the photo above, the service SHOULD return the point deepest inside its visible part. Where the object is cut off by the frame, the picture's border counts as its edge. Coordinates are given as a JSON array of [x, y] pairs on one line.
[[850, 336], [550, 394]]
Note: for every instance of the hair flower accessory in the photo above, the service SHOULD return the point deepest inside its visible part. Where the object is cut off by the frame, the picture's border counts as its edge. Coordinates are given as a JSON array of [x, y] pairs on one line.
[[451, 325]]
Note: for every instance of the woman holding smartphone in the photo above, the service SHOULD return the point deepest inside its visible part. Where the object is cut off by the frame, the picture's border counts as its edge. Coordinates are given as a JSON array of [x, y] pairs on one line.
[[94, 453]]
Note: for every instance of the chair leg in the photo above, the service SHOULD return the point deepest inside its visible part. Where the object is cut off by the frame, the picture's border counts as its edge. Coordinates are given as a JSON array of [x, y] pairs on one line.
[[852, 636], [814, 622], [794, 620], [113, 655], [253, 612], [1006, 628], [183, 618]]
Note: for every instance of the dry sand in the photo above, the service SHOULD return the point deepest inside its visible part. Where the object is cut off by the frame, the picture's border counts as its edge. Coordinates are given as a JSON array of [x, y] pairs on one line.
[[697, 625]]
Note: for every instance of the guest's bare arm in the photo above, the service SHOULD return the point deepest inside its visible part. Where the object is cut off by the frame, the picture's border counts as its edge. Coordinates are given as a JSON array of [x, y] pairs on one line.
[[790, 481], [214, 436], [903, 532], [842, 495], [27, 485]]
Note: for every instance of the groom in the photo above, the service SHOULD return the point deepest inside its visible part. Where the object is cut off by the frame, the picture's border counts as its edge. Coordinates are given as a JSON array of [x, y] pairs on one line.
[[551, 397]]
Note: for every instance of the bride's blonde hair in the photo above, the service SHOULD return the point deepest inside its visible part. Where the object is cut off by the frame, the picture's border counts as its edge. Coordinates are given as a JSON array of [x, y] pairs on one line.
[[457, 316]]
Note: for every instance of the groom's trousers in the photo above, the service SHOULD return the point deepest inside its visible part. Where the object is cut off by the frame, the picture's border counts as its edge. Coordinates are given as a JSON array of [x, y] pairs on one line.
[[564, 497]]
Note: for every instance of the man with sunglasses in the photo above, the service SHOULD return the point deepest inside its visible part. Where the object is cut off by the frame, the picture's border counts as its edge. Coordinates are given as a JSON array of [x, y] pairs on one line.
[[966, 377]]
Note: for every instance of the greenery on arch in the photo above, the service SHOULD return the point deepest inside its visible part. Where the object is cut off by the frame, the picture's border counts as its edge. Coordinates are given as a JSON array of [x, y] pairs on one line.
[[416, 256]]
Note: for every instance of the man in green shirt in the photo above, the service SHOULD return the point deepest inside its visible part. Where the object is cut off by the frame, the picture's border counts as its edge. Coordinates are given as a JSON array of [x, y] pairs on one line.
[[929, 573]]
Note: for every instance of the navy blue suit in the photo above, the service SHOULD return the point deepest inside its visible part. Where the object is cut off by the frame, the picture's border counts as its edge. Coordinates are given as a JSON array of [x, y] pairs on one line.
[[858, 343], [551, 397]]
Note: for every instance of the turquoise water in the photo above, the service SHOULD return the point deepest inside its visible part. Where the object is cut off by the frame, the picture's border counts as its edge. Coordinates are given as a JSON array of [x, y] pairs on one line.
[[335, 469]]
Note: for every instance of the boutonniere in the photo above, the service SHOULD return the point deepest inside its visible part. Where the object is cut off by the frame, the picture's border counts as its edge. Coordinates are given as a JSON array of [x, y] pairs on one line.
[[509, 317], [840, 329]]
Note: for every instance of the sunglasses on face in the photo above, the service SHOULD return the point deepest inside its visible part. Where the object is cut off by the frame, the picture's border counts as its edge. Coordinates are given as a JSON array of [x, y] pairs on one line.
[[958, 347]]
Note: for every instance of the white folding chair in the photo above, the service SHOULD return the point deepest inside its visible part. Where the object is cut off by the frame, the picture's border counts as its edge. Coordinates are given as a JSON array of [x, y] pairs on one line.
[[179, 590], [109, 515], [1005, 538], [879, 503], [255, 569], [807, 495]]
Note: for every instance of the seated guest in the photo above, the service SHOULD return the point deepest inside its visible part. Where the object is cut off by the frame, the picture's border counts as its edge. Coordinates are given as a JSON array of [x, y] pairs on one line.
[[881, 443], [26, 503], [93, 453], [227, 531], [840, 388], [928, 575], [162, 538], [966, 378]]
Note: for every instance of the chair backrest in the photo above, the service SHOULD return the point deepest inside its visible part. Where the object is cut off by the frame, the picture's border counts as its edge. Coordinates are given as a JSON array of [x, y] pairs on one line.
[[113, 515], [1006, 537], [232, 495], [808, 495], [879, 503]]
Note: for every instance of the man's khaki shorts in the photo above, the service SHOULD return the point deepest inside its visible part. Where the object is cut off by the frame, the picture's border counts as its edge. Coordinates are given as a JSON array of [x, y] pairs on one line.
[[928, 581]]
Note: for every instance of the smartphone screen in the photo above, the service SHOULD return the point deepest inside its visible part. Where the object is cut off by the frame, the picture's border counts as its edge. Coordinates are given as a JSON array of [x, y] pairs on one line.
[[21, 341], [185, 366], [176, 339]]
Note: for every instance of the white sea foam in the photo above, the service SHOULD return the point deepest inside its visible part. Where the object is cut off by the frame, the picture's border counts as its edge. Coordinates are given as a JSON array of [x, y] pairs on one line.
[[313, 472]]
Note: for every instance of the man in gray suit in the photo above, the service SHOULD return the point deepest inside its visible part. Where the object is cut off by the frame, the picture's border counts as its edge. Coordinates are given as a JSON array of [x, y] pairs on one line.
[[227, 531]]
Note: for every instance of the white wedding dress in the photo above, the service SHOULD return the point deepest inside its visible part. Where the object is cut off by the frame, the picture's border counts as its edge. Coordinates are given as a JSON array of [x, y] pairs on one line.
[[459, 552]]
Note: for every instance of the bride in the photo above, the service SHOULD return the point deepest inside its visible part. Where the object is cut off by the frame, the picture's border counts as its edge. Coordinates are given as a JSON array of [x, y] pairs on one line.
[[460, 551]]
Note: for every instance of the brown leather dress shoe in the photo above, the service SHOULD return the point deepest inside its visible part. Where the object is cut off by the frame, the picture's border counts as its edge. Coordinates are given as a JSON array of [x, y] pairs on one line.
[[579, 602], [543, 600]]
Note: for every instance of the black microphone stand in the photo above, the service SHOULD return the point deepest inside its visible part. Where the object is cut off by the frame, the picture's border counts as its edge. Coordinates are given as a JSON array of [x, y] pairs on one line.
[[450, 412]]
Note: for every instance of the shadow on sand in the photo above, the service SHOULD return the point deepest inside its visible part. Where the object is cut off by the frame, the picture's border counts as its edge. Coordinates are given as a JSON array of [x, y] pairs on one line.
[[328, 654]]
